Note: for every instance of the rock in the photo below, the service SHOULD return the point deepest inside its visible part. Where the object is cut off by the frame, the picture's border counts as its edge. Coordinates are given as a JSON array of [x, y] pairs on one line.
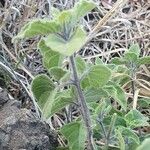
[[3, 97], [21, 129]]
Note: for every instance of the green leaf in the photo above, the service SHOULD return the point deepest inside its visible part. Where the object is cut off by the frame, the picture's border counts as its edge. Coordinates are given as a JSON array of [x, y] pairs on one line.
[[57, 73], [41, 85], [145, 145], [63, 99], [44, 91], [38, 27], [65, 78], [133, 53], [117, 93], [120, 139], [67, 48], [75, 133], [144, 102], [64, 19], [135, 119], [144, 60], [128, 133], [68, 19], [54, 12], [134, 48], [130, 57], [82, 8], [50, 58], [95, 94], [98, 61], [118, 61], [98, 75], [80, 65]]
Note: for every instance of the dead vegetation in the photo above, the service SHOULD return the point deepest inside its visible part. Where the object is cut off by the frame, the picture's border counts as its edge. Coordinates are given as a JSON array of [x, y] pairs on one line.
[[22, 60]]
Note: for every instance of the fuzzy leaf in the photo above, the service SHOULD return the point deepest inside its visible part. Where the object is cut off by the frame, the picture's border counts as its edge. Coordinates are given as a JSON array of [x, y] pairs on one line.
[[117, 93], [118, 61], [82, 8], [145, 145], [80, 64], [65, 20], [144, 102], [120, 139], [50, 58], [57, 73], [95, 94], [144, 60], [130, 57], [63, 99], [41, 85], [67, 48], [128, 133], [98, 61], [134, 48], [135, 119], [98, 75], [70, 18], [133, 53], [44, 91], [55, 12], [38, 27], [66, 77], [75, 133]]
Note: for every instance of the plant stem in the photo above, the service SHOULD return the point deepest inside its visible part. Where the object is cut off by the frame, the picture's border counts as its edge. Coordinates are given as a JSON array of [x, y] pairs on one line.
[[84, 109], [111, 128], [133, 79], [100, 121]]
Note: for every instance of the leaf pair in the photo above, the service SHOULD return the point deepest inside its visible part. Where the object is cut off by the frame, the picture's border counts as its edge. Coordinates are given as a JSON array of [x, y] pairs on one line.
[[132, 56], [48, 97], [64, 34]]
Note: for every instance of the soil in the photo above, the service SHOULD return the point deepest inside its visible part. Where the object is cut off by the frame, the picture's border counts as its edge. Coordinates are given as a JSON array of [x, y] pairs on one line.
[[21, 129]]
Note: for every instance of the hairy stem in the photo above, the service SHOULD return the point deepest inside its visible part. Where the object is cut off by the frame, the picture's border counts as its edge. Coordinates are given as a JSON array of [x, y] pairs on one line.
[[133, 77], [111, 128], [84, 109]]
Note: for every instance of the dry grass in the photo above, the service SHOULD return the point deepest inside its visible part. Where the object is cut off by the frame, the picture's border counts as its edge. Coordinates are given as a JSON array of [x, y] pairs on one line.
[[130, 24]]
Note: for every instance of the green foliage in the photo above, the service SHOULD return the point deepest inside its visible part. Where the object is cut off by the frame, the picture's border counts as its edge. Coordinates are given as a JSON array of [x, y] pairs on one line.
[[134, 48], [44, 91], [101, 84], [80, 64], [75, 133], [63, 34], [57, 73], [82, 8], [95, 94], [66, 46], [144, 60], [97, 76], [135, 119], [133, 53], [50, 57], [128, 133], [120, 139], [145, 145], [38, 27], [117, 93], [62, 99], [132, 57], [118, 61]]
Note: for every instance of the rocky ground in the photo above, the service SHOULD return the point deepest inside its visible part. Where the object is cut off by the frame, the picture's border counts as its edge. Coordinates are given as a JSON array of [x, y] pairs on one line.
[[21, 129]]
